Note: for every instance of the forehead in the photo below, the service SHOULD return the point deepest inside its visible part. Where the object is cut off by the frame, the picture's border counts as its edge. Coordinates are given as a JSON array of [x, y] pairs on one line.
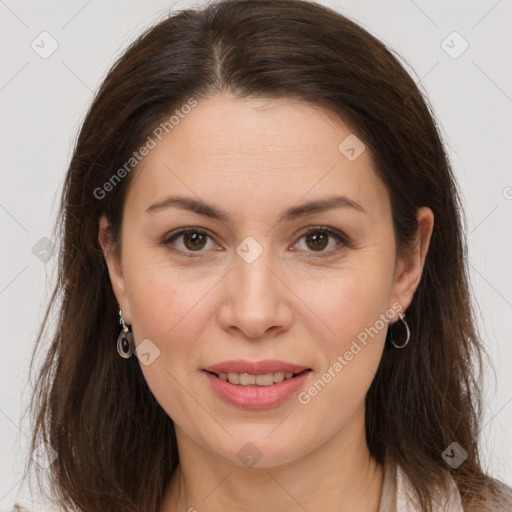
[[255, 153]]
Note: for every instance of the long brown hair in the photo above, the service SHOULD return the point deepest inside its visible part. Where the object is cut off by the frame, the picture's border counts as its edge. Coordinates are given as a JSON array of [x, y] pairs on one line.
[[116, 446]]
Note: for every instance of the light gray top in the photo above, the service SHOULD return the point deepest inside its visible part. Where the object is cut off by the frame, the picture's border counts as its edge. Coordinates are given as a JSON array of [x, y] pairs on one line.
[[397, 494]]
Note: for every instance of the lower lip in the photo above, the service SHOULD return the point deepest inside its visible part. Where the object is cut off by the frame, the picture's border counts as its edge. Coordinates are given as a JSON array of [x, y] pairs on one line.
[[256, 397]]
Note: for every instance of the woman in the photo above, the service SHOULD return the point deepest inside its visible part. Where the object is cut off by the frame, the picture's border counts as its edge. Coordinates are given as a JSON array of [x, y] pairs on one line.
[[260, 198]]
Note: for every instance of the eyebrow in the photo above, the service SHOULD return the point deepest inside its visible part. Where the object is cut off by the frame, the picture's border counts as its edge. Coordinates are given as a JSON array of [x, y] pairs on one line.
[[209, 210]]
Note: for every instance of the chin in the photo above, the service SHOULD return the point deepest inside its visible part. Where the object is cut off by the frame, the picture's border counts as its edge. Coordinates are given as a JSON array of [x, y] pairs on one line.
[[260, 447]]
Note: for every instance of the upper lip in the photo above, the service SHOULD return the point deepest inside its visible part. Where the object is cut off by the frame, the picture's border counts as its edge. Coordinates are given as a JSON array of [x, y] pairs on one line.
[[254, 367]]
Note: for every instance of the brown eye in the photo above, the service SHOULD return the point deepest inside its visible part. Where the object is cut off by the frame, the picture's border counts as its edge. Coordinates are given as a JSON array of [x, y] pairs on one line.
[[194, 240], [316, 240]]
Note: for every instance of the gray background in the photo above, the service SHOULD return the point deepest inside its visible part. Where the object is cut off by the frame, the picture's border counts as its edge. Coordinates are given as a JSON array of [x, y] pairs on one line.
[[43, 101]]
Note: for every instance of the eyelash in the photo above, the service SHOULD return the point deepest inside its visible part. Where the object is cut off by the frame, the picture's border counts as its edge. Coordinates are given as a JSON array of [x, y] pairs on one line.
[[343, 239]]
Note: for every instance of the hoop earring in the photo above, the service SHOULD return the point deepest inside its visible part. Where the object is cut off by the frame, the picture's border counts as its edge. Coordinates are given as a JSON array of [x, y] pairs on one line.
[[408, 333], [125, 343]]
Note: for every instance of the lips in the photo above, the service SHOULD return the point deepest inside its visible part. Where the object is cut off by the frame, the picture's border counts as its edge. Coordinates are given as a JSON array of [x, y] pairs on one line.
[[252, 387], [255, 367]]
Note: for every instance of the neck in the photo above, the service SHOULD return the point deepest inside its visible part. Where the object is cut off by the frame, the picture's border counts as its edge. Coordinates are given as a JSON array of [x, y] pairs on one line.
[[340, 475]]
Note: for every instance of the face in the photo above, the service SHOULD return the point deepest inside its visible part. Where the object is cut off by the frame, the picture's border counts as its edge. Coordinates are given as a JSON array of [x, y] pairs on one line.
[[265, 287]]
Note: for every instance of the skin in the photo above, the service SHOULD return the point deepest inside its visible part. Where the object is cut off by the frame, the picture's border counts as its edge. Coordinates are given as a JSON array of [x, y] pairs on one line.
[[254, 159]]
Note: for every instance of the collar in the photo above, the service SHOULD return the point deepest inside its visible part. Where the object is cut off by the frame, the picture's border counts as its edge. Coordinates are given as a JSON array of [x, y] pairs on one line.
[[398, 494]]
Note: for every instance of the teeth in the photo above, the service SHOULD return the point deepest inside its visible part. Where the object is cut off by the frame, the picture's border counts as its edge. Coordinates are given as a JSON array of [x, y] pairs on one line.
[[246, 379], [234, 378], [265, 380], [278, 376]]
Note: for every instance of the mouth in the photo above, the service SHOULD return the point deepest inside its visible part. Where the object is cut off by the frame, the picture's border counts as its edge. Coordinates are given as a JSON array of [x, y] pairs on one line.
[[256, 385], [258, 380]]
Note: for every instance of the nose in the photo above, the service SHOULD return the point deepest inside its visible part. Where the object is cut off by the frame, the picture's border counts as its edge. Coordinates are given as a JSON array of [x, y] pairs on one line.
[[257, 297]]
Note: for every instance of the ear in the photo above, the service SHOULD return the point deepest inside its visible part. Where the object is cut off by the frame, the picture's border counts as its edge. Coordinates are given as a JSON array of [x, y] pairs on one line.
[[409, 268], [115, 269]]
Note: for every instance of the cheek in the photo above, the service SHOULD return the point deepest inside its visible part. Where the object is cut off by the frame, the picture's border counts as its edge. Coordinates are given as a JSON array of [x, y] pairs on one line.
[[350, 336], [164, 304], [353, 307], [348, 303], [166, 309]]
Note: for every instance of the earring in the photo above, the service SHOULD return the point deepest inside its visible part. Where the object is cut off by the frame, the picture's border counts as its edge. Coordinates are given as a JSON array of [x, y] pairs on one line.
[[408, 333], [125, 344]]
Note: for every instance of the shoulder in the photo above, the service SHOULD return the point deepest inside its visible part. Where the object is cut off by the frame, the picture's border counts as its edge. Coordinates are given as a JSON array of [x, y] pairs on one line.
[[496, 497], [447, 499]]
